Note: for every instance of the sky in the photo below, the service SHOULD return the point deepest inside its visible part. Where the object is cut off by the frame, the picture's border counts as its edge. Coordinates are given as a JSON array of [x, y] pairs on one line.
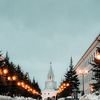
[[37, 32]]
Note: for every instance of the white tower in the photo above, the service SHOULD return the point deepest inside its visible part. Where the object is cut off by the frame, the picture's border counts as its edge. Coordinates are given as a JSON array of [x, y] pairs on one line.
[[50, 85]]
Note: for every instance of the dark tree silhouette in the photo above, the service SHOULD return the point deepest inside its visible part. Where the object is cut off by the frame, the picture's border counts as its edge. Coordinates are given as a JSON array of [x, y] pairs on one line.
[[72, 78], [96, 71]]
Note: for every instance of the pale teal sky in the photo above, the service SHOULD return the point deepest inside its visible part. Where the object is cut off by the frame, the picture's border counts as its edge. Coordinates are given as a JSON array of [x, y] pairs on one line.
[[35, 32]]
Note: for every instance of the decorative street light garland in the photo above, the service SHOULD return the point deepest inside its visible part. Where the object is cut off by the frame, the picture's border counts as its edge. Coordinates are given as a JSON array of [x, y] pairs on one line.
[[4, 72], [62, 87]]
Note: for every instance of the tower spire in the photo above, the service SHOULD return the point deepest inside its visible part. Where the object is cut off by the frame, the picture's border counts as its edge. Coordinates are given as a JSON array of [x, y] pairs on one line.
[[50, 84], [50, 73]]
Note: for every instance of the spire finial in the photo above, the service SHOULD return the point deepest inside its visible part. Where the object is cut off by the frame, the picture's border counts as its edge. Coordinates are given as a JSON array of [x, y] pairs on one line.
[[50, 63]]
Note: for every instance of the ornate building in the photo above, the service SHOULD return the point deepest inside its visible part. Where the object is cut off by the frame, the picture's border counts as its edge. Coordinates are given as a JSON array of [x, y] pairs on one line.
[[84, 64], [50, 85]]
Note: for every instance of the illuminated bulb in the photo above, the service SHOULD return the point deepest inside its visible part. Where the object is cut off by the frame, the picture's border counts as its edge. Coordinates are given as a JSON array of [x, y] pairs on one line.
[[5, 71], [64, 84], [97, 56], [22, 83], [14, 77], [18, 83], [61, 87], [26, 86], [67, 84], [80, 71], [9, 78], [85, 71]]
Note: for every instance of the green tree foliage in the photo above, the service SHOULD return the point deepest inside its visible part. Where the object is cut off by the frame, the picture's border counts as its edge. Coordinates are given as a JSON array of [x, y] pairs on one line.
[[36, 85], [72, 78], [20, 72], [10, 87]]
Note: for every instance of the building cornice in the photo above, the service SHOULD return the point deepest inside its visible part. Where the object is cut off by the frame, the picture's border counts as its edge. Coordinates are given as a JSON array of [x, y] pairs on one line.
[[88, 51]]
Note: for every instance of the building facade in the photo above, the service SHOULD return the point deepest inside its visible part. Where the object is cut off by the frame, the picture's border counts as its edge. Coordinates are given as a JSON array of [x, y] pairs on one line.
[[50, 86], [84, 64]]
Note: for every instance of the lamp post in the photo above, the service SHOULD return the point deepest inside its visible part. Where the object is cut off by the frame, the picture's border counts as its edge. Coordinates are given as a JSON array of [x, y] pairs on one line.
[[83, 72]]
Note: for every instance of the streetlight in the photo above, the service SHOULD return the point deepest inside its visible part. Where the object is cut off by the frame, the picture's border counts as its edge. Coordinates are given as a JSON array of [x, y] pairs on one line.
[[83, 72]]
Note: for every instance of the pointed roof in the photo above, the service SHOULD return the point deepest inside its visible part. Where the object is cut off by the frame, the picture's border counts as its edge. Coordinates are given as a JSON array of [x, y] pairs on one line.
[[50, 73]]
